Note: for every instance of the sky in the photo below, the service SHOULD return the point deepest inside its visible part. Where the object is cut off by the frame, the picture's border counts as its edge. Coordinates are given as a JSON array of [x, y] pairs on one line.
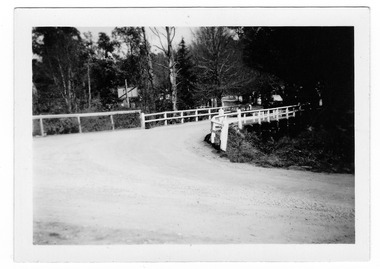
[[185, 32]]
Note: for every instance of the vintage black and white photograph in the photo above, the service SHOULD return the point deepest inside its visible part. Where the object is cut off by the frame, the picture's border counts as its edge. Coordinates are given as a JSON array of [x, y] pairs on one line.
[[197, 134]]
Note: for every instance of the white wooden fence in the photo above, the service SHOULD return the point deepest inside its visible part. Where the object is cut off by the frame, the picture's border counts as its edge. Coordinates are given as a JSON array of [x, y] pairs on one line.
[[78, 116], [166, 117], [221, 122], [180, 115]]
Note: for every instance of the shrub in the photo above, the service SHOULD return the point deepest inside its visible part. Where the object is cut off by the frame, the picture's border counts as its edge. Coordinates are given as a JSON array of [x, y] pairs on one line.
[[311, 150], [36, 128], [96, 123], [123, 121], [61, 126]]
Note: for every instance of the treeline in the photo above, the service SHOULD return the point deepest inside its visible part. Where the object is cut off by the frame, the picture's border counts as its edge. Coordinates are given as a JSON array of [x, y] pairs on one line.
[[72, 73]]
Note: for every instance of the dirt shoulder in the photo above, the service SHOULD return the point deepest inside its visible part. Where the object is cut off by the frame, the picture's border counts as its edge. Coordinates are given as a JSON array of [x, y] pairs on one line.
[[166, 185]]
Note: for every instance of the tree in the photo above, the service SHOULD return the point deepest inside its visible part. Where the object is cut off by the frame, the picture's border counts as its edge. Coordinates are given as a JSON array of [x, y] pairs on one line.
[[308, 57], [219, 63], [319, 60], [90, 49], [61, 52], [106, 46], [171, 64], [186, 77], [136, 62]]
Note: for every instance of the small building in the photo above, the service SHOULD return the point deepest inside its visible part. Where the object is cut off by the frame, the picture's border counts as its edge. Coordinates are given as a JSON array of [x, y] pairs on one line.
[[127, 96]]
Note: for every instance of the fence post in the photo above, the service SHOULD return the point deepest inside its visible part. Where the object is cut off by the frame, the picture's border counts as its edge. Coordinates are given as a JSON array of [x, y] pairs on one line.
[[196, 115], [244, 117], [224, 136], [212, 133], [259, 117], [42, 127], [287, 112], [240, 123], [80, 126], [209, 114], [182, 119], [166, 118], [142, 120], [112, 123]]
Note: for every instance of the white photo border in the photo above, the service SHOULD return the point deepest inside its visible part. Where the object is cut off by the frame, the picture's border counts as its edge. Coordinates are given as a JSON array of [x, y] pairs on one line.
[[26, 18]]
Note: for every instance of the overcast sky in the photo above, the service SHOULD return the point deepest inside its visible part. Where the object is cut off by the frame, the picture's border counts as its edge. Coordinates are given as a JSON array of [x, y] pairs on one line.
[[185, 32]]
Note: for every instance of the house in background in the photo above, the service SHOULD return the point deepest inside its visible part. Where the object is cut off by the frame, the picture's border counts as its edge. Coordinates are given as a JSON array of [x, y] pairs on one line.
[[128, 96]]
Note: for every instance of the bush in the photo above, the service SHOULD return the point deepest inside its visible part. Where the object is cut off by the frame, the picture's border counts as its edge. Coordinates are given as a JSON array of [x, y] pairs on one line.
[[36, 128], [96, 123], [123, 121], [314, 150], [61, 126]]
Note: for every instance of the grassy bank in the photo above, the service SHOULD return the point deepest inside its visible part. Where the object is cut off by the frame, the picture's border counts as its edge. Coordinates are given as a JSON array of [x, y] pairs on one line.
[[313, 150]]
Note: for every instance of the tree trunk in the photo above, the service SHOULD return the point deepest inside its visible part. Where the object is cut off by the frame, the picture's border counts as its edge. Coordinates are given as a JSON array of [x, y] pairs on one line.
[[89, 85], [172, 68], [150, 70]]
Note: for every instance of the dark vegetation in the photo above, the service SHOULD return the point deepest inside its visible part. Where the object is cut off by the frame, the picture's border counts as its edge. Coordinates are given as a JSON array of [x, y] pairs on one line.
[[292, 144], [89, 124]]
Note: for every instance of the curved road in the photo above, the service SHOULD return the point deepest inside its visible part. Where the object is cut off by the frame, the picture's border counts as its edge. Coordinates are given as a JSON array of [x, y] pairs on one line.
[[165, 185]]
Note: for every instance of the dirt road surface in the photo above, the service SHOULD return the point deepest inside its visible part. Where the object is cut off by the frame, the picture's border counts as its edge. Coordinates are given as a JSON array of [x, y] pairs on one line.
[[165, 185]]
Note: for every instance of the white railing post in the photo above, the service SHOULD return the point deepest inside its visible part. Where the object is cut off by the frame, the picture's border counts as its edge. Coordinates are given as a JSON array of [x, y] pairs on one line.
[[224, 136], [245, 118], [277, 114], [80, 126], [209, 114], [142, 120], [42, 127], [112, 123], [287, 112], [212, 139], [196, 115], [259, 117], [166, 118], [240, 123], [182, 119]]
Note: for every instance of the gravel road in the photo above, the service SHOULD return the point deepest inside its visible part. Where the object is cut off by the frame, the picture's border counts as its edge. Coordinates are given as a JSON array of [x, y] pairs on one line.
[[166, 185]]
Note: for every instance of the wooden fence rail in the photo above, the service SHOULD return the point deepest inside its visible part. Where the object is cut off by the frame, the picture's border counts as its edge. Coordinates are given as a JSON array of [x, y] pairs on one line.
[[220, 123], [166, 116], [78, 116], [197, 114]]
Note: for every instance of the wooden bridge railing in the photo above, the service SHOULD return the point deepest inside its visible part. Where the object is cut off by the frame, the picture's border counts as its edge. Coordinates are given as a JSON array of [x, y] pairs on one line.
[[181, 115], [78, 116], [166, 117], [221, 122]]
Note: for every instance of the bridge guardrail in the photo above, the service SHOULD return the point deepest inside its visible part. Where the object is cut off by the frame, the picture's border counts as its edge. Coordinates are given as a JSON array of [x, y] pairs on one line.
[[167, 116], [223, 120], [78, 116]]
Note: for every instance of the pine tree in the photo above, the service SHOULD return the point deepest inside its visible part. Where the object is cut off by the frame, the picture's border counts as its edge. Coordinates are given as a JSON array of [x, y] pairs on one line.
[[186, 77]]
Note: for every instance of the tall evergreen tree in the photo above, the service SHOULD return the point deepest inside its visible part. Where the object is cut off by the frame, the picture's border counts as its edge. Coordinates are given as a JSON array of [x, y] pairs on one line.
[[186, 77]]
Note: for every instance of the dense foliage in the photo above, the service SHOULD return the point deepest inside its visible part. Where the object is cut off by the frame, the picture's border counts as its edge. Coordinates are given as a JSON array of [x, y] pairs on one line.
[[308, 150]]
